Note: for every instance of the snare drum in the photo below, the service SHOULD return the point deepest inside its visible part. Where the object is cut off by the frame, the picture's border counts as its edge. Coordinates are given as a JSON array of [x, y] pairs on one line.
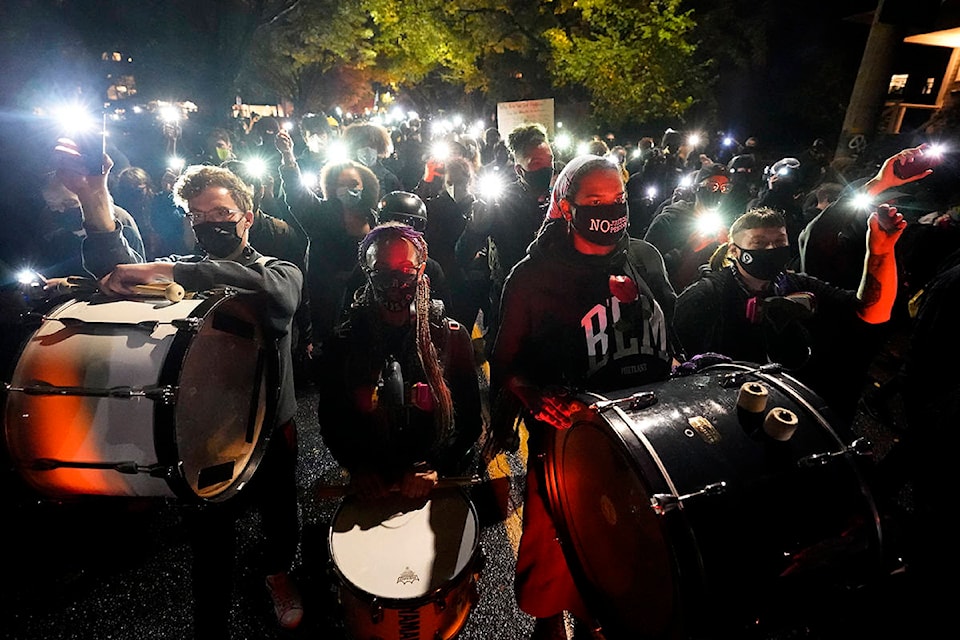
[[142, 398], [696, 503], [407, 568]]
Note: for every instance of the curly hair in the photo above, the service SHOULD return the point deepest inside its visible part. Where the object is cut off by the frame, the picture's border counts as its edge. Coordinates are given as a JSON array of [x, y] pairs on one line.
[[196, 178], [330, 173], [365, 134], [525, 138]]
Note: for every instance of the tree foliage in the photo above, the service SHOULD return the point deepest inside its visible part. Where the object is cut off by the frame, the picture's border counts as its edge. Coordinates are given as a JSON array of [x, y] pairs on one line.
[[630, 60], [633, 61], [634, 58]]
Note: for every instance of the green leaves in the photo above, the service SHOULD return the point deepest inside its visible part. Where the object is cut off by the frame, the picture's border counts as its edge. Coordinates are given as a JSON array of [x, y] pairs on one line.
[[634, 60]]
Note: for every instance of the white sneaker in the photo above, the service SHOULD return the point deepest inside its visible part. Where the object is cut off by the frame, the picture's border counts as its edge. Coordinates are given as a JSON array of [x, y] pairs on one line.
[[286, 600]]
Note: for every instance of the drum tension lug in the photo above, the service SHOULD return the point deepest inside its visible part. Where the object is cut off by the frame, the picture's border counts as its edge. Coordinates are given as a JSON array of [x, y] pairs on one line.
[[637, 401], [165, 394], [736, 379], [32, 319], [188, 324], [860, 447], [160, 471], [663, 503], [440, 604]]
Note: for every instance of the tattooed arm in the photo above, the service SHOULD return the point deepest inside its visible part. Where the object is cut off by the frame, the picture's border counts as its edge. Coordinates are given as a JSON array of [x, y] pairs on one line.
[[878, 287]]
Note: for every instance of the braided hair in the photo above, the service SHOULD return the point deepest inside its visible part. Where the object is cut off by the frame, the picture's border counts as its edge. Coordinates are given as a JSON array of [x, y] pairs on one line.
[[426, 351]]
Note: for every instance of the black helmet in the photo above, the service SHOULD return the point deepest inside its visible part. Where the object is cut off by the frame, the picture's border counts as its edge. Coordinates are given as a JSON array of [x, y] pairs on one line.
[[743, 163], [404, 207]]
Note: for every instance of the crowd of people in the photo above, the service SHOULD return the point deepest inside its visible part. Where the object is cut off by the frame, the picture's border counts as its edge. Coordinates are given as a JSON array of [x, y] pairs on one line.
[[391, 265]]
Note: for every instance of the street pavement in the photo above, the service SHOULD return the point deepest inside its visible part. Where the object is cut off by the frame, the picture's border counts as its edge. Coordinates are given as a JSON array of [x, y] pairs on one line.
[[118, 568]]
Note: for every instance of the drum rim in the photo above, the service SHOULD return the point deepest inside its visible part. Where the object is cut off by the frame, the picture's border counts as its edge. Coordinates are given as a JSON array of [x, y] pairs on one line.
[[675, 548], [472, 566], [165, 441], [689, 582]]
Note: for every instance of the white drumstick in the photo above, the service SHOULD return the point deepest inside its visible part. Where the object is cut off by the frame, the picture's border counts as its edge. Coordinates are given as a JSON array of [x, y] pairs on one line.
[[171, 291]]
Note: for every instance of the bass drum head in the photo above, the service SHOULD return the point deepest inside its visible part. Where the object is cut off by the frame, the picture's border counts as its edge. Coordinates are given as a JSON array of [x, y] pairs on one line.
[[683, 506], [621, 551], [225, 401]]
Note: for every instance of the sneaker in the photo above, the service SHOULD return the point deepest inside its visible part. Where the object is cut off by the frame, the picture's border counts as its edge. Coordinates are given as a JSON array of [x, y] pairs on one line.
[[286, 600]]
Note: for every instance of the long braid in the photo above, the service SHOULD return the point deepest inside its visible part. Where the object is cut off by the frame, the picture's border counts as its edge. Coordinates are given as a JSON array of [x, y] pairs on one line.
[[426, 351], [430, 361]]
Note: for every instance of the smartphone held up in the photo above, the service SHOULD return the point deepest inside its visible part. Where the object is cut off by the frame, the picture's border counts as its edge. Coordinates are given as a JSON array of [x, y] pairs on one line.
[[926, 158], [82, 149]]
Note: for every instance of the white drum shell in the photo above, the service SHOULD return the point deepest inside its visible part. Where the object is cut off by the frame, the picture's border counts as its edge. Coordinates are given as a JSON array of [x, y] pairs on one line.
[[126, 344]]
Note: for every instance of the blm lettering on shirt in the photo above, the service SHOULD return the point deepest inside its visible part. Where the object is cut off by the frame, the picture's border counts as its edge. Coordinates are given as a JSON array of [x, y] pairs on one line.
[[626, 346]]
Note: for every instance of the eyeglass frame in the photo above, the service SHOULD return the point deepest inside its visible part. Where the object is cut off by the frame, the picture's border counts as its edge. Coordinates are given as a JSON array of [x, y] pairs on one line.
[[192, 215]]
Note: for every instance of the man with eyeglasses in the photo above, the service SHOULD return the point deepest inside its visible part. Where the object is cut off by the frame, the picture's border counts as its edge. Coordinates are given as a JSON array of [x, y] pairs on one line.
[[687, 233], [219, 206]]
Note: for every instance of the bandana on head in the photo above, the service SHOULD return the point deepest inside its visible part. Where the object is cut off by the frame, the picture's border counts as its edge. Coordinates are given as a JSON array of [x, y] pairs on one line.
[[562, 184]]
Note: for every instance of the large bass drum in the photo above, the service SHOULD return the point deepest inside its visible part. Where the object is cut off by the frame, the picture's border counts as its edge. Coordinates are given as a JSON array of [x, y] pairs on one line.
[[141, 398], [694, 505]]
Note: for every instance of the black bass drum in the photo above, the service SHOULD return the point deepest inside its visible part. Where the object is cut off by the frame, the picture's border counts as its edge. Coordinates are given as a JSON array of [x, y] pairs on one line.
[[691, 505]]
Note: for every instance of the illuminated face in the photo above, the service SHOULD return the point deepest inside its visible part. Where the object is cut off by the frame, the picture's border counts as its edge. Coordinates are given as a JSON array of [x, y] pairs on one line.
[[395, 254], [540, 157], [762, 238], [600, 187], [393, 270], [716, 183]]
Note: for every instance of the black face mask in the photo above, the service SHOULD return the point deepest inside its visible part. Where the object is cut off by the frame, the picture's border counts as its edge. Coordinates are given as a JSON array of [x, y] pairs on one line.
[[394, 290], [539, 180], [218, 239], [603, 224], [764, 264]]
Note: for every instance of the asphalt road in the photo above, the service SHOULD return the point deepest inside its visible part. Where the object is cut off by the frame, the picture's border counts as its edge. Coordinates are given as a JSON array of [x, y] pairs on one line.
[[118, 568]]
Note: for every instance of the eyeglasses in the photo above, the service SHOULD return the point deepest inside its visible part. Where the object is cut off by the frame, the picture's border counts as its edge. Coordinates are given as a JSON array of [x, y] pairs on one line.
[[217, 214]]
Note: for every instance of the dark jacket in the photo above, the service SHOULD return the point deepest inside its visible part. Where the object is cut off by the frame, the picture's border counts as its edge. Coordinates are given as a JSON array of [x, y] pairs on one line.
[[272, 286], [561, 324], [368, 423]]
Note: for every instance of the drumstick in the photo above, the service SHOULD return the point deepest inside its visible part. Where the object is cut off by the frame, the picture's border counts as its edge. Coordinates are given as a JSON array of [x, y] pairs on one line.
[[341, 490], [171, 291]]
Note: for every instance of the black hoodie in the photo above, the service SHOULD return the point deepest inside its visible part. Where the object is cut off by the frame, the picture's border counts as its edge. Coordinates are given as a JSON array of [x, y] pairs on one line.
[[560, 324]]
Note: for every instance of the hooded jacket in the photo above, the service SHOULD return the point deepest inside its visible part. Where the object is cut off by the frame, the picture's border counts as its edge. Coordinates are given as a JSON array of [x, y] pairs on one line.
[[561, 324]]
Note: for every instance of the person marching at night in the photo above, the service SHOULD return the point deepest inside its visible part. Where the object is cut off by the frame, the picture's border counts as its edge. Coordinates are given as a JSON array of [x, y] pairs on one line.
[[399, 394], [220, 207], [588, 307]]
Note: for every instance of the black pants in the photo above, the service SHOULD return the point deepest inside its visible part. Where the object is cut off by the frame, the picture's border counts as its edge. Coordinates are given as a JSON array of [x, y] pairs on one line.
[[213, 538]]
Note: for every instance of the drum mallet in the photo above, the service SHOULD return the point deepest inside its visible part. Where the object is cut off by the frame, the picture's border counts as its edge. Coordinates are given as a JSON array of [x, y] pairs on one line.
[[171, 291]]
